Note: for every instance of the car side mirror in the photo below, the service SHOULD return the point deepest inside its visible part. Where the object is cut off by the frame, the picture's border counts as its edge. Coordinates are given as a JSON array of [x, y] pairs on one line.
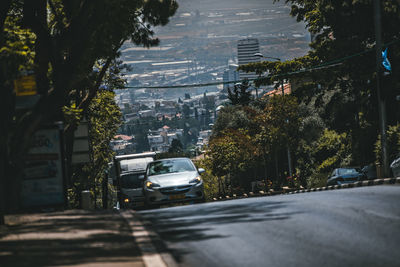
[[201, 170], [141, 177]]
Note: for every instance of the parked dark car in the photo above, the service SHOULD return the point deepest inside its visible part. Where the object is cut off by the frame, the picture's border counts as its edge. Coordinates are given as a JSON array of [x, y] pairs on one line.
[[345, 175], [369, 172]]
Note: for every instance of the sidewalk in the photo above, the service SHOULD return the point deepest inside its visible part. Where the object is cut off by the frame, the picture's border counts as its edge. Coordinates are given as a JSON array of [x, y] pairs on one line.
[[69, 238]]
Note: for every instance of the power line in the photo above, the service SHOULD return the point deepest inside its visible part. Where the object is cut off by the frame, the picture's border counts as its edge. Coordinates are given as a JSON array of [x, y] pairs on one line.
[[156, 120], [329, 64]]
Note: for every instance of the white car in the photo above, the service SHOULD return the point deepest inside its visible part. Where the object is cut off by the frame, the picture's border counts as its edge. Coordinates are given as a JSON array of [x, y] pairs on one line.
[[173, 180]]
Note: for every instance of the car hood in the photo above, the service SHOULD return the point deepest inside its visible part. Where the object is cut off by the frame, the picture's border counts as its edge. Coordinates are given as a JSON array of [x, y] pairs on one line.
[[173, 179]]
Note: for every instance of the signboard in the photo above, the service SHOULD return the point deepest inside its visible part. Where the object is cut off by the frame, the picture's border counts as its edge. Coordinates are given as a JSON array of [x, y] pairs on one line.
[[43, 183], [25, 85], [81, 149]]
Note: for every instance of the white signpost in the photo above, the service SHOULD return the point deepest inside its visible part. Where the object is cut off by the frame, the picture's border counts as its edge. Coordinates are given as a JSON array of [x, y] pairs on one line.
[[81, 149]]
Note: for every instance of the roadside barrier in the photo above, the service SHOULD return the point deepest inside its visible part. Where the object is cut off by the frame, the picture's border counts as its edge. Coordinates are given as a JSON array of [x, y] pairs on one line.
[[289, 191]]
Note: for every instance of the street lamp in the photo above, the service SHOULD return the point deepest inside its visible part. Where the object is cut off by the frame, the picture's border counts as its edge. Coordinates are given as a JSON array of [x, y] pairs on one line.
[[261, 55], [283, 92], [276, 58]]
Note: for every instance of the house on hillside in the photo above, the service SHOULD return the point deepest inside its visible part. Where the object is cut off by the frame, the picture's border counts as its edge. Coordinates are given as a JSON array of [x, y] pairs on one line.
[[123, 144], [161, 140]]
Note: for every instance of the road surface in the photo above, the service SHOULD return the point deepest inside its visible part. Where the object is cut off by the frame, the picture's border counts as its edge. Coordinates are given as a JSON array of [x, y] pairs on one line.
[[347, 227]]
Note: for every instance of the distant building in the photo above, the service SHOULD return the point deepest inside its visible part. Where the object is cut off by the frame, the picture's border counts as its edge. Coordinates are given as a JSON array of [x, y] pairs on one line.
[[123, 144], [246, 49], [230, 75], [156, 143], [131, 116], [161, 140], [147, 113]]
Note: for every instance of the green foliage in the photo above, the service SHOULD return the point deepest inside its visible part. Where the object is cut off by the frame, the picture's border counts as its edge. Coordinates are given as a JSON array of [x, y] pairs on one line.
[[17, 53], [317, 179], [340, 94], [393, 144], [210, 181], [235, 117], [232, 154], [282, 121], [104, 120], [72, 114], [332, 151], [240, 95], [176, 146]]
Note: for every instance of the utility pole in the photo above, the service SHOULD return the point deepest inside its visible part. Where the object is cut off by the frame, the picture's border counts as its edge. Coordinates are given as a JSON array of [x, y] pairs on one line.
[[283, 93], [381, 96]]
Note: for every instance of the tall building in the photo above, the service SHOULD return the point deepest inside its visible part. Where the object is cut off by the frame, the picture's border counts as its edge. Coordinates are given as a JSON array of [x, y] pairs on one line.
[[230, 75], [246, 50]]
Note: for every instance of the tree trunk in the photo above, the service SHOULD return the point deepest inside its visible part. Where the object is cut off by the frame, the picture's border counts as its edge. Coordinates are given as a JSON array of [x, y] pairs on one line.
[[276, 166], [5, 100], [265, 172], [105, 191], [3, 162]]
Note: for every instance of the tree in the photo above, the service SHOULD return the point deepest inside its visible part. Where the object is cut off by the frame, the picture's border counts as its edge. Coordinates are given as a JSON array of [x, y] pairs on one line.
[[240, 94], [231, 155], [176, 146], [186, 111], [337, 77], [66, 54], [105, 118]]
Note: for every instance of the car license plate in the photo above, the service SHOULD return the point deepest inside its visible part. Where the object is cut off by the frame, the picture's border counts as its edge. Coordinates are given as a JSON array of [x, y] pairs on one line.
[[175, 197]]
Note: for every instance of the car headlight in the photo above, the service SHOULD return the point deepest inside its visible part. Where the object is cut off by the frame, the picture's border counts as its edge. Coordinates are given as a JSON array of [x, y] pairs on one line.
[[151, 185], [196, 180]]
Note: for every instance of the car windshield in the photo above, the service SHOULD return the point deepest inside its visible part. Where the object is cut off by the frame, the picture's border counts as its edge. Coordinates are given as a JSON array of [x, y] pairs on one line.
[[347, 171], [170, 166], [131, 181]]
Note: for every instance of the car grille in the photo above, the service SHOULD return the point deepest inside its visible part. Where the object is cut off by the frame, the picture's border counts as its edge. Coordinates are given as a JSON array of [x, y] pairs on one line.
[[175, 190]]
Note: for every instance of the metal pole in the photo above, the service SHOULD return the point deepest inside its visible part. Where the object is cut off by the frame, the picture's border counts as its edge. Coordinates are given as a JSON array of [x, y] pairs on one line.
[[381, 97], [289, 161], [288, 149]]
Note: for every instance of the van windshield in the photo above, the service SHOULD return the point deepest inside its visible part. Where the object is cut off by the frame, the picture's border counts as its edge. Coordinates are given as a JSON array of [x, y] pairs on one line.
[[131, 181]]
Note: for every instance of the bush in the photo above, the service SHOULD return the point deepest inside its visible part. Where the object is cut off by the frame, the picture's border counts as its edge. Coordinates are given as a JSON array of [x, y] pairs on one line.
[[393, 144], [317, 180], [210, 181]]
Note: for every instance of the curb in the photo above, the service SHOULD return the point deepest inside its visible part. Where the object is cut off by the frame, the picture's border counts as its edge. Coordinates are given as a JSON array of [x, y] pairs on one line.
[[385, 181], [144, 238]]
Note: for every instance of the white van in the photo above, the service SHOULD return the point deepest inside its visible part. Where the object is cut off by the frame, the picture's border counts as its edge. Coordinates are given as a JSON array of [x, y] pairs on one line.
[[130, 170]]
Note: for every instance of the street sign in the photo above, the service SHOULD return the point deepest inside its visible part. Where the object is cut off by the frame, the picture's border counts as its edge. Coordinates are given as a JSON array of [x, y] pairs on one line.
[[25, 85], [81, 148]]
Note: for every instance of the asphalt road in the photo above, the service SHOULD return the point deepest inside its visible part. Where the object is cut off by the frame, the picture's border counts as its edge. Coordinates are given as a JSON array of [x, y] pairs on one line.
[[348, 227]]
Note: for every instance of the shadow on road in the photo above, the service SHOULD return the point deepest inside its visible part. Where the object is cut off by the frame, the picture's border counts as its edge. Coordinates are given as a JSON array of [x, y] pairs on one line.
[[195, 223], [68, 238]]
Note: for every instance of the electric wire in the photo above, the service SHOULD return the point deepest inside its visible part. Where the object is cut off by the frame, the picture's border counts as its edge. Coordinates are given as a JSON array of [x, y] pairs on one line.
[[329, 64]]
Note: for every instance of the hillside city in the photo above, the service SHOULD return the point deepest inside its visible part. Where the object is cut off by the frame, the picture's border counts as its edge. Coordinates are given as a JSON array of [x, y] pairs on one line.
[[198, 46], [200, 133]]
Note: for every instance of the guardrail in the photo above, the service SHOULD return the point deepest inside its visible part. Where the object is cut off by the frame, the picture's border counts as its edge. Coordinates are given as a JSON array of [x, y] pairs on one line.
[[289, 191]]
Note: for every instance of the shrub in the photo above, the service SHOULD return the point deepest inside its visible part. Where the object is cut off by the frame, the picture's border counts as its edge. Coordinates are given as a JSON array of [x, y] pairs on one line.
[[317, 179]]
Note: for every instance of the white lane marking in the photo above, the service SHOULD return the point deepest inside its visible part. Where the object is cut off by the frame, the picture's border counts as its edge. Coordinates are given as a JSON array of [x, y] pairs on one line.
[[150, 255]]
